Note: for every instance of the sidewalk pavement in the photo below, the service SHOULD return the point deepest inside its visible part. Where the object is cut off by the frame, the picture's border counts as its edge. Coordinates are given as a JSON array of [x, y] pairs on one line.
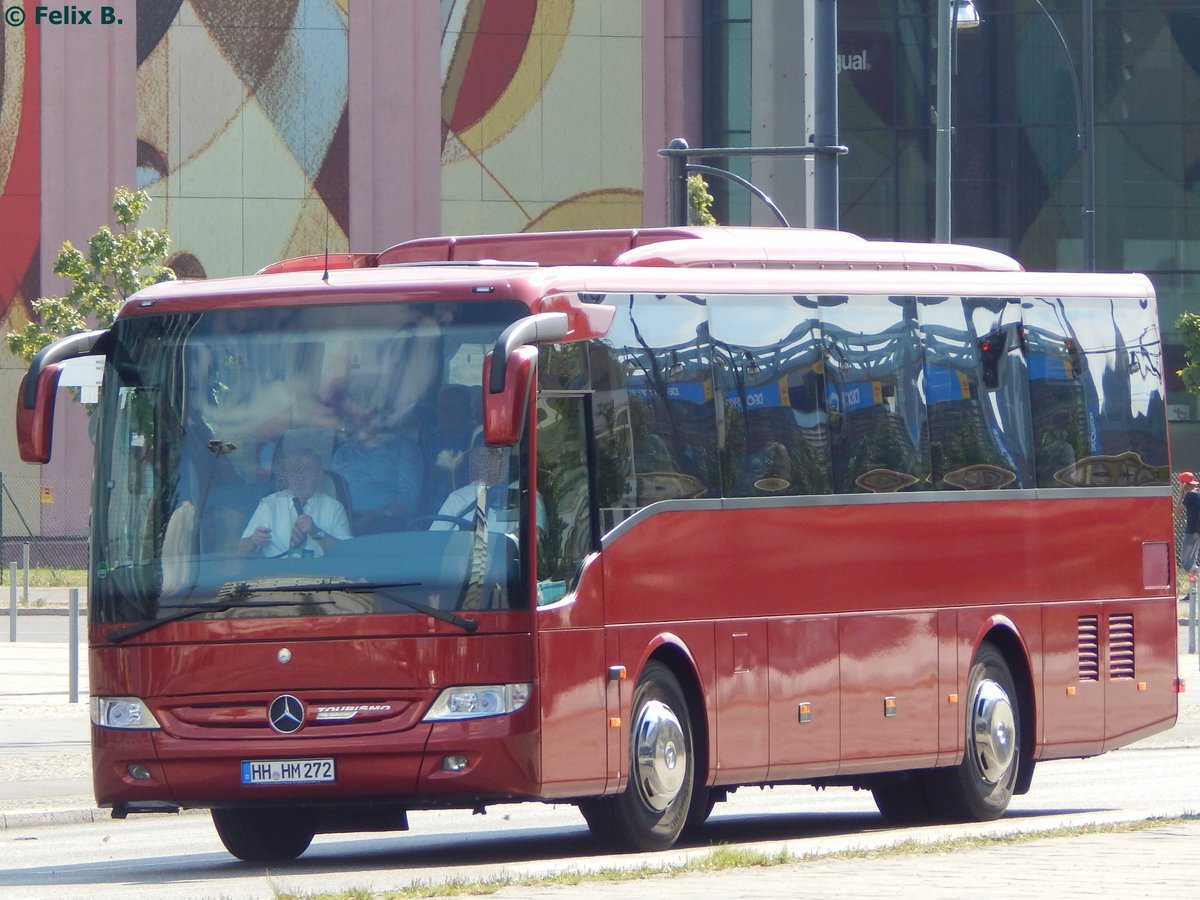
[[45, 780]]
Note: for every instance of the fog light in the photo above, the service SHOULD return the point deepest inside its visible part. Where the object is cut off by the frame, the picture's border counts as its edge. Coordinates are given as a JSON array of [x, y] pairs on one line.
[[455, 762], [138, 771]]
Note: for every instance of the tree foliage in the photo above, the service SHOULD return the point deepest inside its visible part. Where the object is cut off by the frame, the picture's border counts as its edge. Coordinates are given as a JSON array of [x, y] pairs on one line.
[[1189, 329], [700, 201], [115, 266]]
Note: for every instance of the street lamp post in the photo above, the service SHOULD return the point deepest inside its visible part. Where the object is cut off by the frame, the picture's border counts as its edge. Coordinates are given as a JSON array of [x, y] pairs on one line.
[[955, 14], [951, 16]]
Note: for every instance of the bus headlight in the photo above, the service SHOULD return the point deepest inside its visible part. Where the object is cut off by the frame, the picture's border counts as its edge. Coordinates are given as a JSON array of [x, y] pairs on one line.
[[477, 702], [122, 712]]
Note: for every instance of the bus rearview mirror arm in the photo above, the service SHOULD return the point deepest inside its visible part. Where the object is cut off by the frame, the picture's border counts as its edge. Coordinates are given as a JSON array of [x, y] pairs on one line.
[[70, 347], [550, 326], [509, 373]]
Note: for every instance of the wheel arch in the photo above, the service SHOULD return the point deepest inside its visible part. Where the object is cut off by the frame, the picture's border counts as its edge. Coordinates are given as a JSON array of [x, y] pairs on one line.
[[1002, 634], [671, 652]]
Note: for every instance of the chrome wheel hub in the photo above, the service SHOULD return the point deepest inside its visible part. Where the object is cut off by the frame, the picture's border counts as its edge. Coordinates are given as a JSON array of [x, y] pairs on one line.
[[993, 732], [660, 755]]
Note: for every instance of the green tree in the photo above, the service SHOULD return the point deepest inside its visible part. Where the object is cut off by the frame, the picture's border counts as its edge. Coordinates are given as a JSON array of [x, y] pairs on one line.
[[116, 265], [1189, 329], [700, 201]]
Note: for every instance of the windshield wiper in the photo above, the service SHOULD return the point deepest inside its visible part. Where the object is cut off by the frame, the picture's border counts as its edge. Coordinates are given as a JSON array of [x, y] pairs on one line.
[[186, 612], [244, 589]]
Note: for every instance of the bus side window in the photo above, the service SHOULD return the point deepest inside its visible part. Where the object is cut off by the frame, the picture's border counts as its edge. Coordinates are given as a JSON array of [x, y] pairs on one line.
[[565, 490], [767, 372], [1099, 407]]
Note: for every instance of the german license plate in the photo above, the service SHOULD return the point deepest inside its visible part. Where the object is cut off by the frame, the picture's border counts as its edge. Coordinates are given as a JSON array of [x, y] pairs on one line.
[[287, 771]]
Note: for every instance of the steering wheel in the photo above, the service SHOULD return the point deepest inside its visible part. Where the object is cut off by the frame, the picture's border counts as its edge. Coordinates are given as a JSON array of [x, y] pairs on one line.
[[461, 523]]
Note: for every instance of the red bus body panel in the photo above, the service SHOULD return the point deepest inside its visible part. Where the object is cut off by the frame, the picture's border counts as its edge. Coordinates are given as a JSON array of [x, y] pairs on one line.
[[883, 616], [210, 693]]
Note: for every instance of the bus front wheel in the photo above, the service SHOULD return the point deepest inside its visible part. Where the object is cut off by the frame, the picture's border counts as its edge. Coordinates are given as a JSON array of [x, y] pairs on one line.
[[263, 835], [653, 809], [980, 787]]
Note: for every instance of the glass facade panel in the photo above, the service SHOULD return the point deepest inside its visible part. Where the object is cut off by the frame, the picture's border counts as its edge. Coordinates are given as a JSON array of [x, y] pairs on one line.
[[1019, 166]]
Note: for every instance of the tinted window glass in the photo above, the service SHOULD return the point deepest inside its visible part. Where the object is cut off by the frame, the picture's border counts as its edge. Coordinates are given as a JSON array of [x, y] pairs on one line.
[[873, 362], [767, 362], [1096, 387], [976, 394], [657, 380], [564, 497]]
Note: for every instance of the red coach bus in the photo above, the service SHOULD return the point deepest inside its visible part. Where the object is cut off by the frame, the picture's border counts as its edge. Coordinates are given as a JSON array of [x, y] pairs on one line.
[[662, 513]]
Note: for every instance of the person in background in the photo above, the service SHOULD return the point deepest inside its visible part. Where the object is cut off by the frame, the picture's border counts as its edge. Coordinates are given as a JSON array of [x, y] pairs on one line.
[[1189, 504], [298, 519], [382, 473]]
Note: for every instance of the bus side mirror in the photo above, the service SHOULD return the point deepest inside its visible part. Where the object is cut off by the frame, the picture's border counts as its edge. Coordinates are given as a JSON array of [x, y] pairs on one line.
[[504, 412], [508, 374], [35, 396], [35, 422]]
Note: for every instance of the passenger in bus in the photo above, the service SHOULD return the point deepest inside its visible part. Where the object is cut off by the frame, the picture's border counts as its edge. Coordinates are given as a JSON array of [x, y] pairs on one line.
[[298, 519], [1189, 505], [382, 472], [450, 439]]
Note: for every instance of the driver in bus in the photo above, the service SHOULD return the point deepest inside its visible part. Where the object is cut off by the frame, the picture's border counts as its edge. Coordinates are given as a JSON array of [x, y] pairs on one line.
[[299, 519], [485, 466]]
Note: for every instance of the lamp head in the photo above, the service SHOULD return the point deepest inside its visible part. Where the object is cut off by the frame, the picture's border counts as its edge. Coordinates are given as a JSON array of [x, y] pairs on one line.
[[965, 15]]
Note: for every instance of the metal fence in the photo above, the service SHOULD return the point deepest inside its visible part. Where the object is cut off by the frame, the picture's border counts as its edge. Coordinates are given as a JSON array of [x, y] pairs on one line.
[[52, 522]]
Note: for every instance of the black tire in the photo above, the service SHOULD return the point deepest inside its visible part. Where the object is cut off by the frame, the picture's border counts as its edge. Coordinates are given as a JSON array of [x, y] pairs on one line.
[[704, 801], [980, 788], [902, 800], [652, 811], [264, 835]]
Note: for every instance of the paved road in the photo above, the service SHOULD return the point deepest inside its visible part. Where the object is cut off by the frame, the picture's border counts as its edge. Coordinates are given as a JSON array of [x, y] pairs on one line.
[[180, 856]]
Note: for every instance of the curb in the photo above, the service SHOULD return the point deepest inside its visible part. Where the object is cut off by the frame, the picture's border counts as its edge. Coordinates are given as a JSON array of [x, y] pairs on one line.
[[22, 611], [35, 818]]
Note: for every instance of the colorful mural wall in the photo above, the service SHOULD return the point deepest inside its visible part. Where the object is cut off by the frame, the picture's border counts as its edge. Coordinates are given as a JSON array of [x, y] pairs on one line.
[[242, 120], [20, 173], [541, 115]]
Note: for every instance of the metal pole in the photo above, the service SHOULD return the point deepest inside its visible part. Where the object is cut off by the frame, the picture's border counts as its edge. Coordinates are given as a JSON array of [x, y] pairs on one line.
[[825, 115], [1192, 612], [25, 563], [73, 644], [942, 161], [1088, 115], [677, 193], [12, 602]]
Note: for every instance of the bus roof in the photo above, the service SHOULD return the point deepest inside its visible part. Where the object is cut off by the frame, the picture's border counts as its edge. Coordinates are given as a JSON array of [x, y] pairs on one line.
[[711, 246], [572, 289]]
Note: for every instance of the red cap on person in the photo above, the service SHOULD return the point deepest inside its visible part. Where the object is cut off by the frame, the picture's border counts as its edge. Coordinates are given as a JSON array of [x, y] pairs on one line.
[[1187, 478]]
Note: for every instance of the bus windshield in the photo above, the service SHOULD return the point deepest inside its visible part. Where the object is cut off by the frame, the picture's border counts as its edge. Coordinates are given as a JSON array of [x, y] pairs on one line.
[[303, 461]]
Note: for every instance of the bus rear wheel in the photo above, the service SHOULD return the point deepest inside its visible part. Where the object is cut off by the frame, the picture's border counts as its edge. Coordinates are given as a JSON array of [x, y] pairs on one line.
[[652, 811], [264, 835], [980, 787]]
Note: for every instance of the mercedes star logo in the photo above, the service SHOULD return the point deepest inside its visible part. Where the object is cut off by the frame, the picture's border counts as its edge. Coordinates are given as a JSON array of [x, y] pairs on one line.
[[286, 714]]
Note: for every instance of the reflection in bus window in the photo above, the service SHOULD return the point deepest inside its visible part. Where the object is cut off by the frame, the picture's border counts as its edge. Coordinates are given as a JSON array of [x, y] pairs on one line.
[[873, 364], [975, 392], [564, 488], [1096, 391], [768, 371], [659, 374]]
